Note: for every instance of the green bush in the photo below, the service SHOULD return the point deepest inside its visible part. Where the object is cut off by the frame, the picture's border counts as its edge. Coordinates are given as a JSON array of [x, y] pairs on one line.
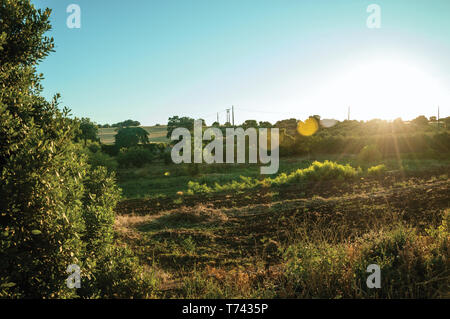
[[370, 153], [377, 171], [317, 270], [134, 157], [101, 159], [167, 157], [118, 274], [41, 181], [412, 266], [55, 210], [130, 137], [192, 169], [317, 171]]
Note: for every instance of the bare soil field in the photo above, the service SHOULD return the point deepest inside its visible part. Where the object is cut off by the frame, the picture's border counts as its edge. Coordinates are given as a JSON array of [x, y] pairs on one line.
[[232, 235]]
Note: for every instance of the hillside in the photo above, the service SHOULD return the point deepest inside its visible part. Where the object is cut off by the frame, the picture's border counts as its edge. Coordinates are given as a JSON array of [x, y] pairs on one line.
[[157, 134]]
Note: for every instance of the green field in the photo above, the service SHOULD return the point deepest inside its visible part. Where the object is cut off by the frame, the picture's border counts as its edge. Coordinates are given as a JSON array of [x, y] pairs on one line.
[[157, 134]]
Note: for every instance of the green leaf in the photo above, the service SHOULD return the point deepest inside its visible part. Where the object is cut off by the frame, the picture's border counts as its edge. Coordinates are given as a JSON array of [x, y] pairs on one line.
[[8, 285]]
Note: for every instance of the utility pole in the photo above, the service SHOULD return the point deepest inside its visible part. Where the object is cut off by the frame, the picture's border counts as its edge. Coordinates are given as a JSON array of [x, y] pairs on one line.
[[232, 112], [217, 117], [348, 114], [228, 115], [438, 119]]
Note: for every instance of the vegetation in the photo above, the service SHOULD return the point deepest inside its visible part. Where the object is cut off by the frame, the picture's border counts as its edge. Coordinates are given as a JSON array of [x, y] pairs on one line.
[[134, 157], [131, 136], [110, 200], [298, 243], [156, 134], [316, 172], [56, 210], [126, 123], [87, 131]]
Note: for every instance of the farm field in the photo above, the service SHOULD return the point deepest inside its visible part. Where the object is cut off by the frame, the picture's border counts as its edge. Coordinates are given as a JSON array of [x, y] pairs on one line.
[[236, 151], [157, 134], [297, 241]]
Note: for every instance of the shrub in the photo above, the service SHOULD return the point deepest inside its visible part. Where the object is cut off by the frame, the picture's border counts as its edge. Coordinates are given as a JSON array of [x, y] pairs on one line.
[[167, 157], [377, 171], [134, 156], [369, 153], [118, 274], [130, 137], [93, 146], [193, 169], [316, 172], [197, 188], [55, 210], [412, 266], [99, 158], [317, 270], [41, 174]]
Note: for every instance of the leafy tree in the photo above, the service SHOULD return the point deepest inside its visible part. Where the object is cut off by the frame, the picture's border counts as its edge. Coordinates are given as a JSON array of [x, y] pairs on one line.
[[249, 123], [265, 124], [176, 121], [135, 157], [131, 136], [290, 125], [88, 131], [420, 121], [398, 121], [127, 123], [54, 210], [40, 219], [446, 121], [370, 153]]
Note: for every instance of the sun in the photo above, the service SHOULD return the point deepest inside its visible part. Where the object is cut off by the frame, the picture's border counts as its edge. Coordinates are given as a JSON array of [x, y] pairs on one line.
[[385, 88]]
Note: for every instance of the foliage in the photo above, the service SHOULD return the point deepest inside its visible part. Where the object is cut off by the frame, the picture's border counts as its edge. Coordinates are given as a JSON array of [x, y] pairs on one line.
[[420, 121], [412, 266], [369, 153], [135, 157], [316, 269], [130, 136], [98, 158], [126, 123], [119, 274], [316, 172], [40, 219], [87, 131], [378, 170], [265, 124], [249, 124], [55, 210], [176, 121]]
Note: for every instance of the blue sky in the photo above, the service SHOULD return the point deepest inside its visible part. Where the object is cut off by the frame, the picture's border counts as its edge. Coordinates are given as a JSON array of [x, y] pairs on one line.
[[151, 59]]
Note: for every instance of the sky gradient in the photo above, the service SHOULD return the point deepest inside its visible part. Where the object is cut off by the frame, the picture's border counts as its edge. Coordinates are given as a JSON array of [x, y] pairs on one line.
[[149, 60]]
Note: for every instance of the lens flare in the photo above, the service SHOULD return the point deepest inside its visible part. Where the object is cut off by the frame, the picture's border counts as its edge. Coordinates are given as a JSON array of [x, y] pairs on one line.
[[309, 127]]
